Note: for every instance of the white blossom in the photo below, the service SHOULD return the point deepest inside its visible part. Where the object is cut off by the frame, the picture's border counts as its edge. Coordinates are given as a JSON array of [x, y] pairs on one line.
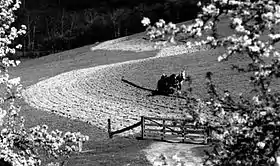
[[240, 28], [146, 21], [220, 58], [274, 36], [256, 100], [237, 21], [172, 26], [254, 48], [210, 38], [161, 21], [276, 54], [19, 46], [159, 24], [278, 160], [15, 81], [261, 145], [23, 27], [268, 16], [263, 113]]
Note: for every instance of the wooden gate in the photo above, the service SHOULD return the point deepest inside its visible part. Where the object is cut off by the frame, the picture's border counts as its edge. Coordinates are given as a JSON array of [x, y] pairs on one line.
[[174, 130], [168, 129]]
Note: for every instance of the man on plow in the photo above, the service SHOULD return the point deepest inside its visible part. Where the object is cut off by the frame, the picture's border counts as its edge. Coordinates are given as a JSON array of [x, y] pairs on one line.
[[171, 84]]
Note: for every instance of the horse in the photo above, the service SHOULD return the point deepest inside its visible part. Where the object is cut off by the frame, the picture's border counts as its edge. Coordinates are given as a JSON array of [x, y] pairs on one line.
[[172, 83], [162, 84], [166, 83]]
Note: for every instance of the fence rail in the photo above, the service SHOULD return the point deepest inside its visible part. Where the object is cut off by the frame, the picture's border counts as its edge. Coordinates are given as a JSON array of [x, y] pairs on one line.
[[111, 133], [168, 129]]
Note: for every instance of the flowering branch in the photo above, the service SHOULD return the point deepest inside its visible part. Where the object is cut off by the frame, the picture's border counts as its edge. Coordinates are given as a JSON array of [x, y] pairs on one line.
[[249, 129], [18, 145]]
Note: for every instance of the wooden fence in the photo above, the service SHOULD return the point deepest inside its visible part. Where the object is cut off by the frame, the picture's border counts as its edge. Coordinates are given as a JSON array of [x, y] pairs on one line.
[[168, 129], [111, 133]]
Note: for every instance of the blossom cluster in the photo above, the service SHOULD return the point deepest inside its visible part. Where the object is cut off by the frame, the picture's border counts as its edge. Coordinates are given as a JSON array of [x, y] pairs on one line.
[[244, 16], [19, 145], [37, 138], [249, 128], [248, 25], [160, 30]]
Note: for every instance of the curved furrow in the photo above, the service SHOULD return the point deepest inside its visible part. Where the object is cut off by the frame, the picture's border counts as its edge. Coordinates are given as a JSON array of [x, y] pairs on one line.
[[98, 93]]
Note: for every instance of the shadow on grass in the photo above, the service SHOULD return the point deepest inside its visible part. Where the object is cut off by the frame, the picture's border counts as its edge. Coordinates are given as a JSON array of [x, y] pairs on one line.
[[200, 150], [137, 86], [153, 92], [115, 151]]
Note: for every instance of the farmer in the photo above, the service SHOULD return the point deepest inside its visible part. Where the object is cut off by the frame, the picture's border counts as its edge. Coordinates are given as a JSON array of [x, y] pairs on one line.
[[180, 78]]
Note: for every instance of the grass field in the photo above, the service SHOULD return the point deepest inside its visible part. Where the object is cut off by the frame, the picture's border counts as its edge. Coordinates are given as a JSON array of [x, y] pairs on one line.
[[144, 74]]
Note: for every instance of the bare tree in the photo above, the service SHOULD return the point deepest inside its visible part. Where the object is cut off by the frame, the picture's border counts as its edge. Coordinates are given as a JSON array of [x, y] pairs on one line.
[[62, 22], [90, 16], [31, 31], [115, 17]]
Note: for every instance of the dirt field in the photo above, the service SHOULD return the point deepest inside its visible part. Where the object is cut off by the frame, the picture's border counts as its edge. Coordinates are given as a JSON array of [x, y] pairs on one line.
[[117, 90], [108, 91]]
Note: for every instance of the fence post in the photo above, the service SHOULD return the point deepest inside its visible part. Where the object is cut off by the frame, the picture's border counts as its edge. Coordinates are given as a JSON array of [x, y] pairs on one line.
[[184, 130], [142, 126], [163, 129], [109, 129], [80, 144], [209, 134]]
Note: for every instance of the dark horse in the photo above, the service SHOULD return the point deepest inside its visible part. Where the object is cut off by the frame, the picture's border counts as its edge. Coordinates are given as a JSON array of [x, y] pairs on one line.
[[169, 85]]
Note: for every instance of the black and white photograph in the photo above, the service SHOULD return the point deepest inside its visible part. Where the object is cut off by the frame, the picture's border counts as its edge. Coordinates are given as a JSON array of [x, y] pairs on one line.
[[140, 83]]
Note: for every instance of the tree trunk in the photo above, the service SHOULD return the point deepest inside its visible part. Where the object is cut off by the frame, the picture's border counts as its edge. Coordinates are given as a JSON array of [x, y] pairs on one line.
[[28, 34], [23, 47], [33, 36], [47, 28], [114, 29], [23, 4], [62, 22], [72, 23], [177, 14], [119, 31]]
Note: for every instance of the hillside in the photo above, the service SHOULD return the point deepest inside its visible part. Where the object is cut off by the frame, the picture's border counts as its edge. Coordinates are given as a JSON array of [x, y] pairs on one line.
[[87, 84]]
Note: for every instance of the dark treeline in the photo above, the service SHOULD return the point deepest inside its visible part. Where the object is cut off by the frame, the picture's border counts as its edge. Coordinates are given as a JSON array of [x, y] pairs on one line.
[[56, 25]]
